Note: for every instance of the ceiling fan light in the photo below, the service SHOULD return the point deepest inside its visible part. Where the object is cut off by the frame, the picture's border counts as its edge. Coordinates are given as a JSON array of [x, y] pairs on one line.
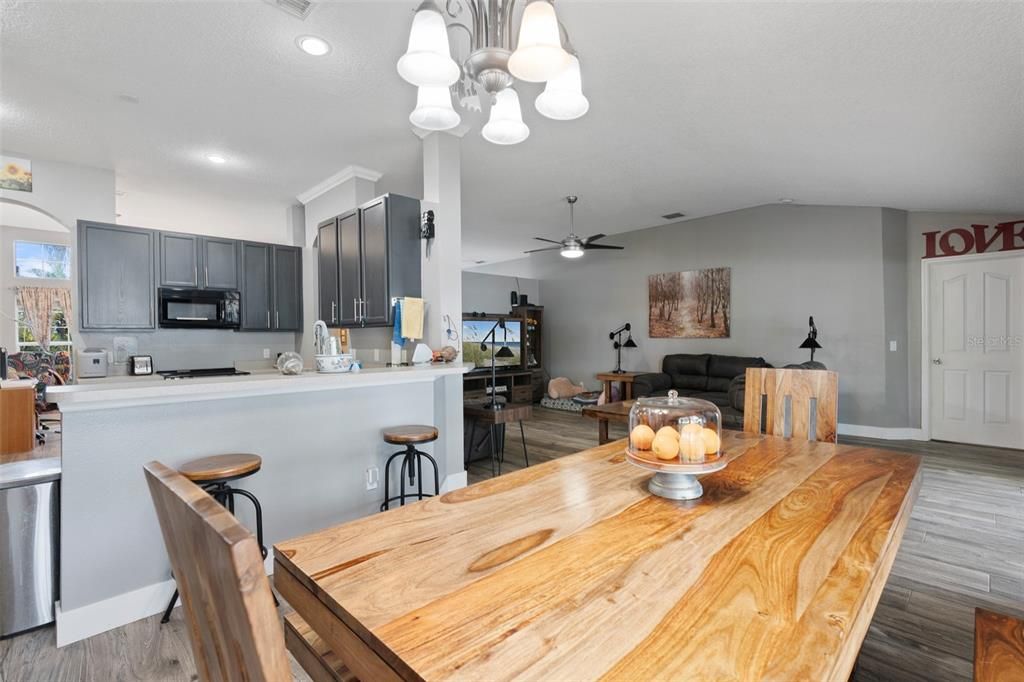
[[428, 60], [434, 109], [563, 98], [572, 251], [505, 125], [539, 55]]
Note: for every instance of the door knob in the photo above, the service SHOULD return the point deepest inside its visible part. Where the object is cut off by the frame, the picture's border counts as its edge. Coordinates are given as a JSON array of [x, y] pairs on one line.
[[937, 361]]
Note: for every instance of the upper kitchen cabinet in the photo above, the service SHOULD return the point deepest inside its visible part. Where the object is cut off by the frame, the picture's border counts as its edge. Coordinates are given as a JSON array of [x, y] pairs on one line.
[[367, 258], [194, 262], [271, 287], [117, 276], [220, 263], [179, 260]]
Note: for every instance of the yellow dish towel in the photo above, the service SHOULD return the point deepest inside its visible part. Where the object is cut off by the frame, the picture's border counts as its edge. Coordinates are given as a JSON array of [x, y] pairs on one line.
[[412, 318]]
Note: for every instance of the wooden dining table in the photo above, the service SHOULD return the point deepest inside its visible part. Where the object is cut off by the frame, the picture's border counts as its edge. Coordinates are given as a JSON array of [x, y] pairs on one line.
[[572, 570]]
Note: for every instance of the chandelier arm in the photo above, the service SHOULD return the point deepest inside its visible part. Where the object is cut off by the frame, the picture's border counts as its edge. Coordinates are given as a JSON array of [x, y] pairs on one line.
[[469, 33], [566, 43], [493, 24], [454, 8], [507, 11]]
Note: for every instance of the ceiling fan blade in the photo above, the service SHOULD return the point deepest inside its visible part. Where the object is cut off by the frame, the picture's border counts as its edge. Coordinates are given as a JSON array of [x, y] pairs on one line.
[[594, 238], [545, 239], [602, 246], [547, 248]]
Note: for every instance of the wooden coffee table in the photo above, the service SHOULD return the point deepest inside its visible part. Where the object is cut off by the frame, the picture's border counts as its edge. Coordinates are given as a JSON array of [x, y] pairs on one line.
[[609, 412]]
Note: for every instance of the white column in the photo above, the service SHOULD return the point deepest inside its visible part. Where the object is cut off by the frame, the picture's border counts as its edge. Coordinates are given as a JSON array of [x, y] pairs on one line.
[[442, 286]]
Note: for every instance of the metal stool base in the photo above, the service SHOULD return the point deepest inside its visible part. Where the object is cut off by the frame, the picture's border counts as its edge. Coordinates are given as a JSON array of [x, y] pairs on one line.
[[412, 463]]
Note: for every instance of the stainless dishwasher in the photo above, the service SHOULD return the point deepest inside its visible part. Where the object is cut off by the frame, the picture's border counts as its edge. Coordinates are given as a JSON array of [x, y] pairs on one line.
[[29, 535]]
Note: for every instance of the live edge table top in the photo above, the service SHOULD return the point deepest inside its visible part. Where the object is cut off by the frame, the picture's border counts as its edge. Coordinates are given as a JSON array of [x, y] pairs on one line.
[[571, 569]]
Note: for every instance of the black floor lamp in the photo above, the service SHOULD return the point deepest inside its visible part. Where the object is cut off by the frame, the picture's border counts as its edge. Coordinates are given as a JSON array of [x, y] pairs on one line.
[[616, 336], [503, 352], [812, 338]]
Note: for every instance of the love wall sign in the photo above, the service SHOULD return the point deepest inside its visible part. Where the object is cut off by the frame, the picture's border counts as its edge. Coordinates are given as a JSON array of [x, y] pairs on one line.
[[978, 239]]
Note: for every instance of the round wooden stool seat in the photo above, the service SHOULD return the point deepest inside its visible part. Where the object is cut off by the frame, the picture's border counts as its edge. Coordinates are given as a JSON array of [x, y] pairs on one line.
[[220, 467], [410, 434]]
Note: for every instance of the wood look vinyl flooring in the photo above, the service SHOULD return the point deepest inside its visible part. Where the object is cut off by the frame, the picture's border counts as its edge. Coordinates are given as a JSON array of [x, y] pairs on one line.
[[964, 547]]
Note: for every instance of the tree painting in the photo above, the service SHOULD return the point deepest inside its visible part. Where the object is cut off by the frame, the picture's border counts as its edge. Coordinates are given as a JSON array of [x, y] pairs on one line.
[[692, 305]]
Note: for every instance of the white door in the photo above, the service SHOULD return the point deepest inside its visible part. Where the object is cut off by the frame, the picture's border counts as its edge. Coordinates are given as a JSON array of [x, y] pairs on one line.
[[976, 315]]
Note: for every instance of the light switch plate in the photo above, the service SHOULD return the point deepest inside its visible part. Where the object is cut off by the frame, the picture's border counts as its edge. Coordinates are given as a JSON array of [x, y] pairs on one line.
[[372, 478], [266, 353], [892, 346]]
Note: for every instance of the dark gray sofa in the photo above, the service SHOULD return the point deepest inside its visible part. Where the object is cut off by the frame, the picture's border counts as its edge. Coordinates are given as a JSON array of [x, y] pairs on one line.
[[719, 379]]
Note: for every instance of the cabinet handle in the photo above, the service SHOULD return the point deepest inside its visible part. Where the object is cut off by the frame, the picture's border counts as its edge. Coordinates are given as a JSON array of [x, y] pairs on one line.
[[355, 309], [277, 319], [195, 274], [206, 275], [268, 319], [334, 311]]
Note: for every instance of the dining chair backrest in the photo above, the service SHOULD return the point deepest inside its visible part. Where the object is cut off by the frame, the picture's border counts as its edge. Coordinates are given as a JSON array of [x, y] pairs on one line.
[[811, 395], [234, 628]]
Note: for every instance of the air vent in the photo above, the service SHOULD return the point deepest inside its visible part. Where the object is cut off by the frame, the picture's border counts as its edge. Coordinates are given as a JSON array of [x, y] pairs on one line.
[[673, 216], [296, 8]]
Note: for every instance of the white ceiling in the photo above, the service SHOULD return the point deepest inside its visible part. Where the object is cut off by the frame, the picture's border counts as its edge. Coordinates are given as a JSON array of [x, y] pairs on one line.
[[695, 107]]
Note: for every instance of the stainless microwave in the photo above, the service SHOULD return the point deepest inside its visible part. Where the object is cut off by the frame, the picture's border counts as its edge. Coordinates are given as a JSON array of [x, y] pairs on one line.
[[200, 309]]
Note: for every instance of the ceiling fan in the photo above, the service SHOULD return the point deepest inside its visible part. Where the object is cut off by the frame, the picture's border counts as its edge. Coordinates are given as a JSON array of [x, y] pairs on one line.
[[572, 246]]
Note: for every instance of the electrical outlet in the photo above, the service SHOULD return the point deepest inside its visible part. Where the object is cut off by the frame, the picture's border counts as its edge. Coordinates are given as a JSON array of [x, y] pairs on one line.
[[892, 346], [376, 354], [266, 353], [372, 478]]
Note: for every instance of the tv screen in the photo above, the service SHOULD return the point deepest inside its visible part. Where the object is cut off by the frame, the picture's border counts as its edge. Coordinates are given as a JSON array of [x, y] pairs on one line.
[[475, 330]]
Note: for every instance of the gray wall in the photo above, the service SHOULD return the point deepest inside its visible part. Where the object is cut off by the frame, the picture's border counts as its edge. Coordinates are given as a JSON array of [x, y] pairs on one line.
[[483, 293], [919, 222], [894, 278], [787, 262]]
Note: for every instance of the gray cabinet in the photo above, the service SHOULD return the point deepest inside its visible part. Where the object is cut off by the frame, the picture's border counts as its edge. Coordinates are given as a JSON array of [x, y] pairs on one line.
[[117, 276], [256, 286], [377, 258], [220, 263], [287, 299], [179, 260], [271, 287]]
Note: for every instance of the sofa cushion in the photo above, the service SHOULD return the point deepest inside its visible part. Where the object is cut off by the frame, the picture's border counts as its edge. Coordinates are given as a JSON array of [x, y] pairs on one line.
[[718, 399], [722, 369], [687, 371]]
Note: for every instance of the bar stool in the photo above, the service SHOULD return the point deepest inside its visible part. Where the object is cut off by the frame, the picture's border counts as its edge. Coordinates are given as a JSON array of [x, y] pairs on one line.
[[410, 436], [213, 474]]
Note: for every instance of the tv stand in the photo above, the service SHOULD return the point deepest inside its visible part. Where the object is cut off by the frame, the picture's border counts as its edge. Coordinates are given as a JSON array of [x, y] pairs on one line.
[[516, 385]]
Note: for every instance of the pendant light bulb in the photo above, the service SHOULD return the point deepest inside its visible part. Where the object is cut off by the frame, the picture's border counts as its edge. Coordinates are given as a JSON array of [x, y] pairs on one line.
[[428, 60], [505, 125], [434, 109], [539, 55], [563, 98]]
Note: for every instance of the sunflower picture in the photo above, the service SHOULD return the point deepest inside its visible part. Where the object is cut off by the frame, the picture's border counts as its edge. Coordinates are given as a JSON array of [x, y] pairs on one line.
[[15, 174]]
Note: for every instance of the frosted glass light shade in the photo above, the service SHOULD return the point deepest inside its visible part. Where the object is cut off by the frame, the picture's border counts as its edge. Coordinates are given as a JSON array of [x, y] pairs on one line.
[[505, 125], [563, 98], [539, 55], [434, 109], [572, 251], [428, 59]]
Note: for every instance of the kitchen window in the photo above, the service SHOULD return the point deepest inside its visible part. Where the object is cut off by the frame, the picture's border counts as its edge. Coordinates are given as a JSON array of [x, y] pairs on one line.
[[60, 334], [37, 260]]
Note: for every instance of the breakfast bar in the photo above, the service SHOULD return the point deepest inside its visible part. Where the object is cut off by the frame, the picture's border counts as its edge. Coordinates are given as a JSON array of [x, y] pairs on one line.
[[774, 573], [318, 435]]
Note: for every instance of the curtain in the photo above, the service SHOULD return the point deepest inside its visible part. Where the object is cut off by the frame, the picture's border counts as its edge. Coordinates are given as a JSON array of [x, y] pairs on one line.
[[38, 303]]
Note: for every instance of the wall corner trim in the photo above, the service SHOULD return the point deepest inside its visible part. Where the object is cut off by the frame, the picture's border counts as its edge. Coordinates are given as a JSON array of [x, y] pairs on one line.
[[454, 482], [345, 174]]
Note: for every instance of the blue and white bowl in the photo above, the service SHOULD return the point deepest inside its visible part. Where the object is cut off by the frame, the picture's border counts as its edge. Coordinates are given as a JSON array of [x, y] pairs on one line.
[[334, 364]]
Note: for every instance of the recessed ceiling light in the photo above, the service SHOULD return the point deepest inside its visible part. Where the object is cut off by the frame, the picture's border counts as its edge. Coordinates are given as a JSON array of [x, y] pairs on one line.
[[673, 216], [312, 45], [786, 200], [216, 158]]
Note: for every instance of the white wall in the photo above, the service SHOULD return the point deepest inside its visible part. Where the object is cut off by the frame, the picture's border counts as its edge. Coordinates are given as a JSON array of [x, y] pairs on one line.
[[484, 293], [787, 262]]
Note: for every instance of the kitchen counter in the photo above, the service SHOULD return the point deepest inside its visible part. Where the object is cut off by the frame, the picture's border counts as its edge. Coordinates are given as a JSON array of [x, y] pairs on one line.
[[318, 435], [118, 392]]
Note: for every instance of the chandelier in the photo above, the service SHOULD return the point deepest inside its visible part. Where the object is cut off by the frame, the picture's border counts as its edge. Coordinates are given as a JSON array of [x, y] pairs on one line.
[[542, 54]]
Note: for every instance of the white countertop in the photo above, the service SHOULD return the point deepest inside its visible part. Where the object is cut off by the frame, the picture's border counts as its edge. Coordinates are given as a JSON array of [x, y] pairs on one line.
[[155, 390]]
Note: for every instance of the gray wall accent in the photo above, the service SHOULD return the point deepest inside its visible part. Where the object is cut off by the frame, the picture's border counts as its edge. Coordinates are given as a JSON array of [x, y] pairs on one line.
[[485, 293], [787, 262], [315, 449], [919, 222], [894, 278]]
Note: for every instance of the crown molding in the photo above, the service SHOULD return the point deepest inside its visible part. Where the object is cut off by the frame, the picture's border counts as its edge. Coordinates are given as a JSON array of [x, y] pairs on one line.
[[344, 175]]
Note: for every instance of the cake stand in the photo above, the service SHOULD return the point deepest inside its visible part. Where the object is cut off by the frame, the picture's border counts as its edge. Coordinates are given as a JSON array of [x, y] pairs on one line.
[[674, 480]]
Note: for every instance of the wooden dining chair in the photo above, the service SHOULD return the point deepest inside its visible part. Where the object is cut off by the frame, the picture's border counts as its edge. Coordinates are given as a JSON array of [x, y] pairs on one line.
[[234, 628], [812, 396]]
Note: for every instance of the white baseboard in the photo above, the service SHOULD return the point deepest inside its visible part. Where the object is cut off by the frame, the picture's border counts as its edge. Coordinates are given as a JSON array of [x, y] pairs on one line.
[[882, 432], [454, 481], [92, 619]]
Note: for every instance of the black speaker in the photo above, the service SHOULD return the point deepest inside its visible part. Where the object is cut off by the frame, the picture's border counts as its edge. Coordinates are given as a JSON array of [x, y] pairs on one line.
[[523, 299], [514, 297]]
